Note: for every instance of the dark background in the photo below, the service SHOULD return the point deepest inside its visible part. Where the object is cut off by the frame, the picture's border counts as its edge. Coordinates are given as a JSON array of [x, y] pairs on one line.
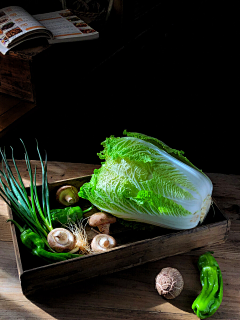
[[178, 81]]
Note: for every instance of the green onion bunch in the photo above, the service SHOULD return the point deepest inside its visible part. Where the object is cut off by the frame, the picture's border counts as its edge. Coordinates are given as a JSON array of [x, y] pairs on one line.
[[33, 213]]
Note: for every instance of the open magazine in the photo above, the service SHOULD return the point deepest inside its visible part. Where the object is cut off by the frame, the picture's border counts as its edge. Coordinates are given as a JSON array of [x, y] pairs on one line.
[[17, 25]]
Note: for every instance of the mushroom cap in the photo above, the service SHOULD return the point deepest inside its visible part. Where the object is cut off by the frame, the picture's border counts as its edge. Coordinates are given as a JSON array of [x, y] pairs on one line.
[[61, 240], [100, 218], [169, 283], [67, 195], [102, 243]]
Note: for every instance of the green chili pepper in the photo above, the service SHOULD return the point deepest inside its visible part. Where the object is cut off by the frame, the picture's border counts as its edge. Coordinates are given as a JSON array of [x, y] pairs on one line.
[[36, 244], [31, 239], [210, 298], [63, 216]]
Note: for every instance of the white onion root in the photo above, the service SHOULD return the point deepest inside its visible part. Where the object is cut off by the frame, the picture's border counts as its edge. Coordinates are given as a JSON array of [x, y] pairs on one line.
[[78, 229]]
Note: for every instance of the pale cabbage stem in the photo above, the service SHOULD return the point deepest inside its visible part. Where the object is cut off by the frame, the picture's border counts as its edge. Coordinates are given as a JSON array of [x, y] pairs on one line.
[[205, 207]]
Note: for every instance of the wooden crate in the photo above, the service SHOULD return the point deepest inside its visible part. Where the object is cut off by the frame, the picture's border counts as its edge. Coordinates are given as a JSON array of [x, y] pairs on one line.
[[16, 70], [134, 248]]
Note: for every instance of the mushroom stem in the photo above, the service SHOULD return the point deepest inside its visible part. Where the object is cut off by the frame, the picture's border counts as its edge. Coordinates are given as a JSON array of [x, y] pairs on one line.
[[102, 221], [105, 228], [67, 195], [61, 237], [69, 198], [102, 242]]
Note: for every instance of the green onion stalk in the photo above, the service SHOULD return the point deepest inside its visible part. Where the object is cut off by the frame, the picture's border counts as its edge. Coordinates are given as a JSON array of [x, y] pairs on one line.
[[35, 216]]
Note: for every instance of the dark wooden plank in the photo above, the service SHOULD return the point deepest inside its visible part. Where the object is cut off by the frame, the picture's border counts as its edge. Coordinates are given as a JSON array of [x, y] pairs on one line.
[[16, 78], [13, 115], [7, 102]]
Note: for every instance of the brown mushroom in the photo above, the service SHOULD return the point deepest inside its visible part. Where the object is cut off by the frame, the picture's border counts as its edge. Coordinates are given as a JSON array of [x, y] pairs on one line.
[[61, 240], [102, 242], [169, 283], [67, 195], [101, 220]]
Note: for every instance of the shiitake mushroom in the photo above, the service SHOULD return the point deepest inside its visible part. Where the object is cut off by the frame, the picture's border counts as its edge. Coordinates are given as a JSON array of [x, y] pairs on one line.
[[169, 283], [61, 240], [102, 220]]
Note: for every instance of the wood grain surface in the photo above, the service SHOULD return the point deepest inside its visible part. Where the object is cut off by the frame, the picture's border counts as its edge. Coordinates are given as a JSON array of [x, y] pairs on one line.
[[131, 293], [16, 72]]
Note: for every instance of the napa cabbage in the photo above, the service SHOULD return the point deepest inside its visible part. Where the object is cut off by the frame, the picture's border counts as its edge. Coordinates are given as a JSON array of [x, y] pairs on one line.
[[142, 179]]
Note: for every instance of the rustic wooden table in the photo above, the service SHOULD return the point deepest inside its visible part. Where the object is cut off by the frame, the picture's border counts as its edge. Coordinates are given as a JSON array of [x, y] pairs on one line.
[[128, 294]]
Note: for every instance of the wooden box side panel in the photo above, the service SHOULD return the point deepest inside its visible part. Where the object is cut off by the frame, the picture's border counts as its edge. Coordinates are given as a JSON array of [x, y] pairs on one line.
[[77, 182], [122, 257], [15, 245], [16, 78]]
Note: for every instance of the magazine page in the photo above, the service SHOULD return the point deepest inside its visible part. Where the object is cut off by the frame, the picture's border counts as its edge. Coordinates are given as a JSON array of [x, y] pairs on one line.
[[65, 26], [16, 23]]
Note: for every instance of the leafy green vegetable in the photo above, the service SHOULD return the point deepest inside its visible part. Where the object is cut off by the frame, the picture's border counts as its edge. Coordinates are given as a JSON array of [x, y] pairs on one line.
[[142, 179]]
